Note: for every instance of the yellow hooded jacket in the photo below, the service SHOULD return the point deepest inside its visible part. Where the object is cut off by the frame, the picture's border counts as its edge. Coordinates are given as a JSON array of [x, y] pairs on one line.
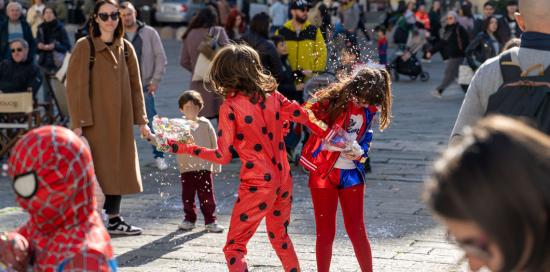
[[306, 49]]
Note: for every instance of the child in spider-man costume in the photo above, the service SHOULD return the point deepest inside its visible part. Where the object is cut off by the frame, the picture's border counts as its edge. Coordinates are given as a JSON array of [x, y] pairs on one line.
[[251, 122], [351, 105], [53, 178]]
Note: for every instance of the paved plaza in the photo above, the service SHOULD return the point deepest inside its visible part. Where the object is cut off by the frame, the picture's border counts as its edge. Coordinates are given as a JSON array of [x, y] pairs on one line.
[[403, 234]]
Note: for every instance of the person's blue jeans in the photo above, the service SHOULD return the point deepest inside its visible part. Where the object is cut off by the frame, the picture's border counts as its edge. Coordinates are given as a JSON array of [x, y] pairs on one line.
[[151, 112]]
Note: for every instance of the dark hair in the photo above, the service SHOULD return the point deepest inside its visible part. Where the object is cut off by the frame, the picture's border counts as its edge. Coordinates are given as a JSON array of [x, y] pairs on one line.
[[231, 20], [277, 39], [466, 10], [193, 96], [50, 8], [498, 176], [94, 26], [371, 85], [205, 18], [486, 24], [237, 68], [490, 3], [260, 24], [511, 3], [350, 49], [380, 28], [432, 7]]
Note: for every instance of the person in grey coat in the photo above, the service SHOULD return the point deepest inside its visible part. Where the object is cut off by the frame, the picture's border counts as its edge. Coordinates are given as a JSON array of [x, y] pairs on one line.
[[152, 64]]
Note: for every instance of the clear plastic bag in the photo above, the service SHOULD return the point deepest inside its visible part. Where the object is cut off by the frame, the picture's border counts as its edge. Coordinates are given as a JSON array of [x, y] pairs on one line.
[[177, 129]]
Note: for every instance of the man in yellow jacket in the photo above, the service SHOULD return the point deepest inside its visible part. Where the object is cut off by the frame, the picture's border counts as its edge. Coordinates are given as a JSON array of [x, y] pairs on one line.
[[307, 51]]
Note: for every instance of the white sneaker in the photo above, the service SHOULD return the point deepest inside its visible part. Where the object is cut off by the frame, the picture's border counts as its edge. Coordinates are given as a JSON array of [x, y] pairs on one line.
[[186, 225], [161, 164], [214, 227]]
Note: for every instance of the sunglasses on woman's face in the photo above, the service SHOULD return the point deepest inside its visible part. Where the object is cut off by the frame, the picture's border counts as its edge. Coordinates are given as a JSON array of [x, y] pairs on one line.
[[18, 49], [476, 247], [105, 16]]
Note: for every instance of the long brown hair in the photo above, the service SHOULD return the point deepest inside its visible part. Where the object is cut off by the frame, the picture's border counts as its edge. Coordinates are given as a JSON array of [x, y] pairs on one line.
[[94, 26], [237, 68], [368, 85], [498, 176], [205, 18]]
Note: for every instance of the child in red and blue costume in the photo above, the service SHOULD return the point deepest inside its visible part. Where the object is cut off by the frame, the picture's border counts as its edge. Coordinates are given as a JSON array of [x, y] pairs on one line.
[[351, 105], [252, 122], [53, 178]]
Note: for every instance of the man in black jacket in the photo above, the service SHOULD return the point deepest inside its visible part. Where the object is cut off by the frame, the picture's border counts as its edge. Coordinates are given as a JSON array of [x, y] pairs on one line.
[[15, 26], [19, 74]]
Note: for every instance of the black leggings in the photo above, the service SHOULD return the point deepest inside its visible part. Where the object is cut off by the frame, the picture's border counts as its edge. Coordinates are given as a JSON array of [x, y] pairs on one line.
[[112, 204]]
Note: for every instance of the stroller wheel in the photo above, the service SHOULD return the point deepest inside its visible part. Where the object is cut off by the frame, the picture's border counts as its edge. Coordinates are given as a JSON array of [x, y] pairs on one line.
[[425, 76], [413, 77]]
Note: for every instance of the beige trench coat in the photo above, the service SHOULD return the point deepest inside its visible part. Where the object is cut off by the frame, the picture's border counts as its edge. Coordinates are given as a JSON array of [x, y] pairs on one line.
[[108, 111]]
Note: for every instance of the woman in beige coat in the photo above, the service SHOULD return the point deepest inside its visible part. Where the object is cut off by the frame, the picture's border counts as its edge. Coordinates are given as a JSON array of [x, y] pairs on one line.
[[105, 111]]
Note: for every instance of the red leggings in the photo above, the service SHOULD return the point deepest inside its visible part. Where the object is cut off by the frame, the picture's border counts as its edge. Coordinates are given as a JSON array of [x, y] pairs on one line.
[[325, 204], [258, 200]]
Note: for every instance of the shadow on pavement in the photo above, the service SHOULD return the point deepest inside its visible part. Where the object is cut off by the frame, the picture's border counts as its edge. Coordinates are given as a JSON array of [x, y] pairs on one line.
[[156, 249]]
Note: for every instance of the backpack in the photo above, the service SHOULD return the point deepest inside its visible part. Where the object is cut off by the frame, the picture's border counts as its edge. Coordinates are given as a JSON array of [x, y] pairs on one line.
[[92, 59], [521, 95]]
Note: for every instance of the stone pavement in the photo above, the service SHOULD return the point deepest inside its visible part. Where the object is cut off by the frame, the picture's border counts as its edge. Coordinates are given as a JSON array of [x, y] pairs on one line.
[[403, 235]]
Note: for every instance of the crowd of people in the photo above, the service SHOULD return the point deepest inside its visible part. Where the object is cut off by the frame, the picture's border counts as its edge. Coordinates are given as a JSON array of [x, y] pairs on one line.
[[257, 80]]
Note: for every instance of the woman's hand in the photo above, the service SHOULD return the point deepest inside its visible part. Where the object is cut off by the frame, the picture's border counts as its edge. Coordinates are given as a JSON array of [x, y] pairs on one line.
[[77, 131], [145, 132]]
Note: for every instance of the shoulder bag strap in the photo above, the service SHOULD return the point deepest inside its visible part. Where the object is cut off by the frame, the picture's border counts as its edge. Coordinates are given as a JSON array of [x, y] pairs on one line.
[[511, 71], [90, 64]]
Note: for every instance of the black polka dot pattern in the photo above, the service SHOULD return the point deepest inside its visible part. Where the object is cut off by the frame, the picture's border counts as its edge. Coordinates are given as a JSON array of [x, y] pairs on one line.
[[262, 206], [271, 235], [197, 151], [218, 155], [231, 242], [280, 166], [253, 100], [273, 160], [278, 191], [262, 105], [175, 148], [270, 135], [232, 260], [264, 130], [277, 213], [284, 246], [243, 217], [277, 116], [284, 195], [248, 119], [238, 199], [249, 165], [281, 146], [232, 149], [294, 269], [296, 113], [219, 133], [240, 136], [253, 189], [231, 116], [257, 147], [267, 177]]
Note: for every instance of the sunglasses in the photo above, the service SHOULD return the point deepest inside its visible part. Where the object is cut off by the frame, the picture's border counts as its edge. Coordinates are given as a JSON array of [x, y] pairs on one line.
[[450, 18], [18, 49], [478, 247], [105, 16]]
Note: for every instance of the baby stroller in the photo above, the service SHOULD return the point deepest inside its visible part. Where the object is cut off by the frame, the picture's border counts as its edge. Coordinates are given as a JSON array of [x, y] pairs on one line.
[[406, 63]]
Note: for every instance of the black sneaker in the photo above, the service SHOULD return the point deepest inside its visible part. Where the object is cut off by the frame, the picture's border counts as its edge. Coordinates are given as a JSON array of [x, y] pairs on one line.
[[118, 226]]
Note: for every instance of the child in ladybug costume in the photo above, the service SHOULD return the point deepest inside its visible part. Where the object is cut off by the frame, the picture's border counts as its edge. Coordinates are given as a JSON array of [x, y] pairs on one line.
[[53, 178], [252, 122]]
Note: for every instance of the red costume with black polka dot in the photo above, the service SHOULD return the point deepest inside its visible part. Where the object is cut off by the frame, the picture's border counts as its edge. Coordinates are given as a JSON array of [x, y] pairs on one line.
[[54, 179], [254, 128]]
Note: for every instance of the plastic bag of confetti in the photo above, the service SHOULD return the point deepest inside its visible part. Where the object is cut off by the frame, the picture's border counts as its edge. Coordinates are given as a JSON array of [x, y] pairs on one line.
[[337, 140], [177, 129]]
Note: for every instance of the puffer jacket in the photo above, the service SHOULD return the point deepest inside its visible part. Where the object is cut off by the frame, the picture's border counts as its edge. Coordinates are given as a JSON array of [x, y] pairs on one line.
[[306, 49], [321, 162]]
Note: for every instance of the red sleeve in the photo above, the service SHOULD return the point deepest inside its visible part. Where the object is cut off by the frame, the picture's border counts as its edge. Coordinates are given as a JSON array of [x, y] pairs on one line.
[[89, 260], [226, 133], [291, 110]]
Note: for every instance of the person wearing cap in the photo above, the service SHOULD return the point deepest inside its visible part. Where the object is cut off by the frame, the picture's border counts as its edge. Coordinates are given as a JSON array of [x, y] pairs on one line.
[[307, 51]]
